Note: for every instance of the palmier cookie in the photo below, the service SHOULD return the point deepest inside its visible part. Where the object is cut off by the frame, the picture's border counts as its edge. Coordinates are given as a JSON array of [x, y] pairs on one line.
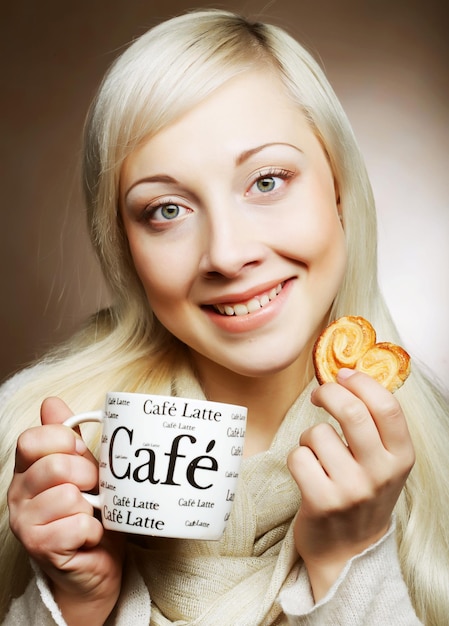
[[351, 342]]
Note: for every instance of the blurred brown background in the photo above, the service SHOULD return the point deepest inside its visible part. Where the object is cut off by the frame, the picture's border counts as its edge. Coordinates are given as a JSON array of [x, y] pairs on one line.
[[388, 63]]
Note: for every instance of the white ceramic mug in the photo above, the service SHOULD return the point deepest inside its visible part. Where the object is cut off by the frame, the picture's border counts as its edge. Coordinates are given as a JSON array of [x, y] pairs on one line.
[[168, 466]]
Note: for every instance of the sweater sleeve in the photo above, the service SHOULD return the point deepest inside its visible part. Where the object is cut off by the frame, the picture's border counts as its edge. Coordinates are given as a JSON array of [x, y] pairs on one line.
[[369, 591], [37, 607]]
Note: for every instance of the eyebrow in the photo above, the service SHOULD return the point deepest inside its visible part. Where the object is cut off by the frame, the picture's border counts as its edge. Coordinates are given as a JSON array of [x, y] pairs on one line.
[[241, 158], [157, 178], [247, 154]]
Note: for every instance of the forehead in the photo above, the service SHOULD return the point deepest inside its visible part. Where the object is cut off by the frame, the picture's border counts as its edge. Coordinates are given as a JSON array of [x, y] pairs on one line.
[[249, 110]]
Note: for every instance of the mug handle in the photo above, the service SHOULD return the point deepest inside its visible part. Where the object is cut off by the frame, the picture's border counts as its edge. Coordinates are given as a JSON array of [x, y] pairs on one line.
[[76, 420]]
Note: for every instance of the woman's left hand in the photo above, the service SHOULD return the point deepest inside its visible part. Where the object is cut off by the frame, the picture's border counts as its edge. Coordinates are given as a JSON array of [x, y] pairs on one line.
[[349, 489]]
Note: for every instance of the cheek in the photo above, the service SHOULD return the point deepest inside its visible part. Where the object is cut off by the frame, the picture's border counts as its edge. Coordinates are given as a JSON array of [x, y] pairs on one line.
[[328, 256], [316, 236], [321, 248], [314, 223], [327, 241], [330, 266], [165, 273]]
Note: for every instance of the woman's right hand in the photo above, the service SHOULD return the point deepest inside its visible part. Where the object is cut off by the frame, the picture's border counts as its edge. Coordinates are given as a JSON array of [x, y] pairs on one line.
[[55, 523]]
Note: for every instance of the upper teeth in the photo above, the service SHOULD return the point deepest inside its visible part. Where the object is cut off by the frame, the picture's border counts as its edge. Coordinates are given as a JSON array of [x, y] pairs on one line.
[[256, 303]]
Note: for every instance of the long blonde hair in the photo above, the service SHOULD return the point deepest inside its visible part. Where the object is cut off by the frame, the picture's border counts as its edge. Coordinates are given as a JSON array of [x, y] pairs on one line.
[[160, 76]]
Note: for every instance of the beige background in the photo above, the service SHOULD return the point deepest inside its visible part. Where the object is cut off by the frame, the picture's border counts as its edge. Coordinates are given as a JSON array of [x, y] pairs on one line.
[[387, 60]]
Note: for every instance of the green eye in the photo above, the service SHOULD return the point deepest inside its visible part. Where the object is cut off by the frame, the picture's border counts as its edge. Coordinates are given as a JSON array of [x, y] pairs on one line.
[[266, 184], [169, 211]]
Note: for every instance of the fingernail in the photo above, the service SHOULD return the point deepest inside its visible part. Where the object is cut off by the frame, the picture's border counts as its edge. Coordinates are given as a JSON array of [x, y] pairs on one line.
[[80, 446], [345, 373]]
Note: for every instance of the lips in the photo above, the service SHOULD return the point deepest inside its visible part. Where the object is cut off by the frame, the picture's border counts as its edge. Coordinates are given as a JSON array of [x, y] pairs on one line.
[[249, 306]]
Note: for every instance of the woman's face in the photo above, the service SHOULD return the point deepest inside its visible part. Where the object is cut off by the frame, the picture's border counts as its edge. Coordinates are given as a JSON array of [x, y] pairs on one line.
[[233, 226]]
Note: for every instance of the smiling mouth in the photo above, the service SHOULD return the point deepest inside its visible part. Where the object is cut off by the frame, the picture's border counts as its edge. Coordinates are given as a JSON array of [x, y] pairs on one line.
[[250, 306]]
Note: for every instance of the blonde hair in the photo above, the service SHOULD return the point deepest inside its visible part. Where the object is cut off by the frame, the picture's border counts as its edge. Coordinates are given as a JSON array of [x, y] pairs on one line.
[[160, 76]]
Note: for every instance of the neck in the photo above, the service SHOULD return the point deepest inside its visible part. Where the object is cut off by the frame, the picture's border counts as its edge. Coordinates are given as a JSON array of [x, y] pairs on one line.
[[267, 398]]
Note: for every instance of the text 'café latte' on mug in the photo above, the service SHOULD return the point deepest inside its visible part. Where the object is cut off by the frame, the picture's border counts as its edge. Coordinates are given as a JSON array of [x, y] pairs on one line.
[[168, 466]]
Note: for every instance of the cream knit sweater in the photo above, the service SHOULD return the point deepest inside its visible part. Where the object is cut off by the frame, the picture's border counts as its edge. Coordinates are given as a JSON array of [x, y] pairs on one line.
[[253, 575]]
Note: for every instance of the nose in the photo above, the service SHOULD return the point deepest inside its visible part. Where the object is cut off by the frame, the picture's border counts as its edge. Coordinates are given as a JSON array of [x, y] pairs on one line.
[[230, 244]]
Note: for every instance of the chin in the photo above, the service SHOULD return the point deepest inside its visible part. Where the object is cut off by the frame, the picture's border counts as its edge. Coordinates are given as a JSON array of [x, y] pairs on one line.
[[261, 367]]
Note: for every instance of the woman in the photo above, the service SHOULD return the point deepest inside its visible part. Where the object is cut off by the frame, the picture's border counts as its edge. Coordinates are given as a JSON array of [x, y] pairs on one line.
[[232, 215]]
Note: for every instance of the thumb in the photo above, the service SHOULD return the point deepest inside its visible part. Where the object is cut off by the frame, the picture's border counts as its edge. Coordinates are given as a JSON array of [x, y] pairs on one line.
[[54, 411]]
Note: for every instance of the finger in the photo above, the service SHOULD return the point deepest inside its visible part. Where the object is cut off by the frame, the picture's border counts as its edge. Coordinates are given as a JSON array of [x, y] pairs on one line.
[[328, 447], [383, 407], [356, 422], [59, 541], [313, 482], [48, 506], [42, 441], [57, 469], [54, 411]]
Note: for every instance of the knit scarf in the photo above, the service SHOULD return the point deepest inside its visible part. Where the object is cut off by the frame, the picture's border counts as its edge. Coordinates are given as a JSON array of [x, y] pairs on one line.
[[236, 580]]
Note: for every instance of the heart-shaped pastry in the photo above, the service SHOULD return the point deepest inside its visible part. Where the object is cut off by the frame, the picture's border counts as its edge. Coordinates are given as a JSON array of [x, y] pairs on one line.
[[350, 342]]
